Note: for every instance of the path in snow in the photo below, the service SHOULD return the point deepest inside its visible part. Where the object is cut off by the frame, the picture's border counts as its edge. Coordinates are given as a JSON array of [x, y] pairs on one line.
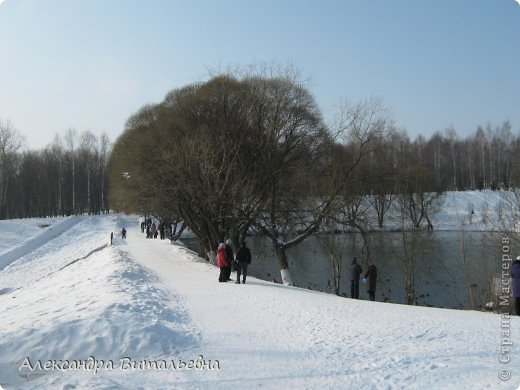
[[273, 336], [74, 297]]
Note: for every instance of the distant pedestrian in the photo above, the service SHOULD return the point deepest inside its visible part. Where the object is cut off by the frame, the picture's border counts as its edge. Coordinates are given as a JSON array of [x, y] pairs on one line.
[[222, 262], [163, 231], [371, 278], [515, 274], [230, 257], [355, 273], [123, 233], [244, 259]]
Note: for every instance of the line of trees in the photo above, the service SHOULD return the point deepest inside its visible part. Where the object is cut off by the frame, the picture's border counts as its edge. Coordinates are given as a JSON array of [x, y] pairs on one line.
[[488, 159], [67, 177]]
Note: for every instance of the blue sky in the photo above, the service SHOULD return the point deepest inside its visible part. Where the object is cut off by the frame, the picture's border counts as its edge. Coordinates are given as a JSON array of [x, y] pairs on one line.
[[90, 64]]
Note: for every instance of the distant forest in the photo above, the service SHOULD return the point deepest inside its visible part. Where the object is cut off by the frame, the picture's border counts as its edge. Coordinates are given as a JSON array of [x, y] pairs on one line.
[[488, 159], [67, 177], [70, 175]]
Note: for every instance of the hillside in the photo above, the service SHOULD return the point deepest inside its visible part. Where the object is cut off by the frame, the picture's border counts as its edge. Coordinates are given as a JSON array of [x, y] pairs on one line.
[[73, 301]]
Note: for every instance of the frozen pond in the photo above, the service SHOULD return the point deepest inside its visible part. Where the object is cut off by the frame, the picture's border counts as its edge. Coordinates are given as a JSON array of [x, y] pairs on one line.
[[441, 279]]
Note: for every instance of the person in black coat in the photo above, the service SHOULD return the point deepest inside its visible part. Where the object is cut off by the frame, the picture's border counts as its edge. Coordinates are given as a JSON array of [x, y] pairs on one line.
[[371, 277], [355, 273], [515, 275], [244, 259]]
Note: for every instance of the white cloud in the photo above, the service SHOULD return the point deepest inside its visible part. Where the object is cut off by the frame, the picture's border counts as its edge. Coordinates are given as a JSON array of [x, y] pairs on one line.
[[518, 1]]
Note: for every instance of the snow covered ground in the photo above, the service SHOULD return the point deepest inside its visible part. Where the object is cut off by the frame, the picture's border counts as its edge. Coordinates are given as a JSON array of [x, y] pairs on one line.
[[77, 313], [476, 210]]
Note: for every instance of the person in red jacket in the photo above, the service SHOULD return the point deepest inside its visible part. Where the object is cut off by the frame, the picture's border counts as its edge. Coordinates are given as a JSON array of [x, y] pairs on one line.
[[222, 262]]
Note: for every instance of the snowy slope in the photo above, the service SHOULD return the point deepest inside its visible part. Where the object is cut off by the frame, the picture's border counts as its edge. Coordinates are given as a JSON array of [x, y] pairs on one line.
[[73, 298], [476, 210], [471, 210]]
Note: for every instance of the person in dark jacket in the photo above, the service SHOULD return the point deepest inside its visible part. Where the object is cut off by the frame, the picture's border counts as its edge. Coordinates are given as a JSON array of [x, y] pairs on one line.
[[244, 259], [355, 273], [229, 255], [222, 262], [515, 275], [371, 278], [123, 233]]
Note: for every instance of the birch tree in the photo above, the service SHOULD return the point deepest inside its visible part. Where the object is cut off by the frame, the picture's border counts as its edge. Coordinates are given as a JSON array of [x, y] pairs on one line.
[[88, 151], [71, 140], [10, 143]]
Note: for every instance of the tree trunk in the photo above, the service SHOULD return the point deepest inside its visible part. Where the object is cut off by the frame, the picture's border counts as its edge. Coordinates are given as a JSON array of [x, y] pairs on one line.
[[73, 188], [284, 265], [103, 189], [88, 192], [176, 236]]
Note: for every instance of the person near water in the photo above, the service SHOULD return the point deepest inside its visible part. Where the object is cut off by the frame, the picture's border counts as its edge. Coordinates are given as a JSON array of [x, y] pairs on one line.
[[230, 256], [371, 278], [244, 259], [222, 262], [515, 275], [355, 273]]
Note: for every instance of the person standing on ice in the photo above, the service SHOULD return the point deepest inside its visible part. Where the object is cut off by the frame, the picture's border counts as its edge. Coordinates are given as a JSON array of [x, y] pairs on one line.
[[371, 278], [123, 233], [222, 262], [244, 259], [229, 256], [355, 273], [515, 275]]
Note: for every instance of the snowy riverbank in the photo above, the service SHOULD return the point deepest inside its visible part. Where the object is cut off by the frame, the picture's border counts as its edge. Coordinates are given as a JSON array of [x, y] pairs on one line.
[[149, 301]]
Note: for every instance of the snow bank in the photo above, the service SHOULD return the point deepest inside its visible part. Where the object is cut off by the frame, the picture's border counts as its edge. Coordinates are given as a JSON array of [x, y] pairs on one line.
[[103, 305], [475, 210], [472, 210]]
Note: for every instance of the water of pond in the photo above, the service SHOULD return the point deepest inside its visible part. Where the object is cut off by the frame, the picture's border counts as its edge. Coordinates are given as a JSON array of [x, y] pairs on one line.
[[441, 278]]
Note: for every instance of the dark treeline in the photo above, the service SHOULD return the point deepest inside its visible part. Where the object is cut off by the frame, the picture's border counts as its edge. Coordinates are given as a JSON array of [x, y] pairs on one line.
[[488, 159], [66, 177]]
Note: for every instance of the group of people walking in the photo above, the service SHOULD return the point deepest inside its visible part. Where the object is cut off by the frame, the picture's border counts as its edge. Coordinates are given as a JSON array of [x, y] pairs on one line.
[[370, 279], [153, 230], [226, 258]]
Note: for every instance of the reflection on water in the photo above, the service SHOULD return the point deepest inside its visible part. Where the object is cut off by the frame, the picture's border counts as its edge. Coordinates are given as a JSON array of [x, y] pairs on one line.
[[441, 279]]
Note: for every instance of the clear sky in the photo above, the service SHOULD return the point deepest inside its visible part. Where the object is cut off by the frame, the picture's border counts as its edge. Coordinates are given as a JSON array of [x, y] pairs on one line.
[[90, 64]]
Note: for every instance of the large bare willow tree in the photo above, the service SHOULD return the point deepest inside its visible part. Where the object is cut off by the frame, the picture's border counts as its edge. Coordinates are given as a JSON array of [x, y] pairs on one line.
[[234, 154]]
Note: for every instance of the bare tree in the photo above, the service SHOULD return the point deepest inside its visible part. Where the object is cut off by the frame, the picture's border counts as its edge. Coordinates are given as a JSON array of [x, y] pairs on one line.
[[334, 246], [104, 150], [57, 151], [87, 151], [70, 140], [10, 143]]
